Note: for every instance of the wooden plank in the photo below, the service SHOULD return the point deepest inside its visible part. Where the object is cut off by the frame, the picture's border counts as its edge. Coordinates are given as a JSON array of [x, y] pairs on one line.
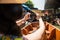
[[57, 34]]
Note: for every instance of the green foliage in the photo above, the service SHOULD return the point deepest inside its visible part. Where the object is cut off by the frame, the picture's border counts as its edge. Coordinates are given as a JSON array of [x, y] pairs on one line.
[[29, 4]]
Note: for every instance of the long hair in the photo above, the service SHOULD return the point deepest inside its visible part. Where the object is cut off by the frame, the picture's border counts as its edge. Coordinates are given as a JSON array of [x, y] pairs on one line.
[[9, 13]]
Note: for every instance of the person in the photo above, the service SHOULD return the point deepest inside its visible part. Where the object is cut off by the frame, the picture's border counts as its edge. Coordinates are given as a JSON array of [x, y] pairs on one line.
[[10, 20], [58, 21], [10, 12]]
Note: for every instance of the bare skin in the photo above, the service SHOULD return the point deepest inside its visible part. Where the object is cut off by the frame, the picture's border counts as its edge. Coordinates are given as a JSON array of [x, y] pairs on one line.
[[38, 34], [23, 20]]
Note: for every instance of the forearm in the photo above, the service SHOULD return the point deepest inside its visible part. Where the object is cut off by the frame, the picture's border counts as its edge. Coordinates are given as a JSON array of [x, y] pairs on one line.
[[37, 34]]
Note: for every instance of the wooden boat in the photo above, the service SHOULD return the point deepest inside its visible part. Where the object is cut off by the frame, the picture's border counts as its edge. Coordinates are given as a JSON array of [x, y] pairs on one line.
[[52, 33], [29, 28]]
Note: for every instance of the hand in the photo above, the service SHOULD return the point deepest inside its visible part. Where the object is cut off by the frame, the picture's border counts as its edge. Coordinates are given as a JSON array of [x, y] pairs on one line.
[[21, 21], [38, 16], [27, 16]]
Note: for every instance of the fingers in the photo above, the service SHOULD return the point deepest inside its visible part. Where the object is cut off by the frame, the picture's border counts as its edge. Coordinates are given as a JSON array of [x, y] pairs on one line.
[[27, 16], [38, 16]]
